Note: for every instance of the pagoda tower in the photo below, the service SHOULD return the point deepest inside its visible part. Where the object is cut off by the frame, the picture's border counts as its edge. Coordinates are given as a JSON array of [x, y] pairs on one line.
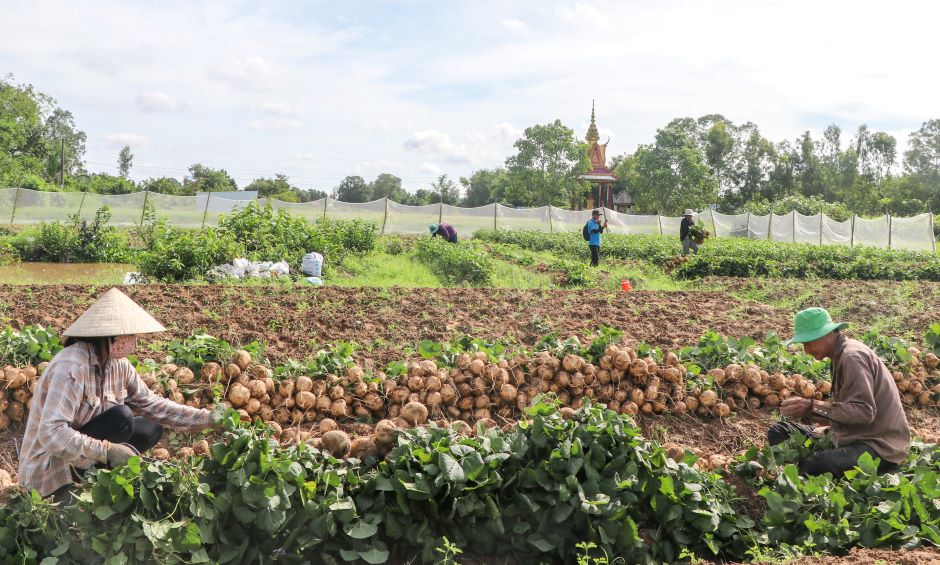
[[601, 178]]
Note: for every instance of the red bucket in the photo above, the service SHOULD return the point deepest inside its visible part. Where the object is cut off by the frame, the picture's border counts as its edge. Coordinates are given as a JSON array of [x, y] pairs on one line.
[[625, 285]]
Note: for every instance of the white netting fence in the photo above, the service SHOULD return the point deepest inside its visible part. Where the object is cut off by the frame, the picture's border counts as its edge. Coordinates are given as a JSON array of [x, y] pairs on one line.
[[25, 206]]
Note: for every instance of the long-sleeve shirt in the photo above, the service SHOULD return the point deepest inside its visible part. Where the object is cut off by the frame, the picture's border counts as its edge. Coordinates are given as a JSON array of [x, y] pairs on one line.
[[865, 404], [69, 394], [684, 228], [447, 231], [595, 229]]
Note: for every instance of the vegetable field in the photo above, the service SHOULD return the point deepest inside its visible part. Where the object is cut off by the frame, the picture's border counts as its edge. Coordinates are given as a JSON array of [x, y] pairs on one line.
[[546, 438]]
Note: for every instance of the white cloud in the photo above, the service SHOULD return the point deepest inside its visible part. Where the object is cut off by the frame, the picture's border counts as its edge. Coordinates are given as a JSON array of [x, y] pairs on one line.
[[250, 71], [278, 108], [122, 139], [384, 125], [156, 101], [430, 169], [276, 124], [515, 26], [437, 143]]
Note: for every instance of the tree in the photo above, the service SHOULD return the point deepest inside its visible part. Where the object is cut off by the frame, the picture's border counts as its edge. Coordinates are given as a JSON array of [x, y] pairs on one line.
[[204, 179], [164, 185], [671, 174], [354, 189], [267, 187], [125, 160], [484, 186], [922, 161], [389, 186], [310, 194], [719, 145], [546, 166], [444, 190]]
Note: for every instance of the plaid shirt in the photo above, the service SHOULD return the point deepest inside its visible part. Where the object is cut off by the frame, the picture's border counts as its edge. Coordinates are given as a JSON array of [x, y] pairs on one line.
[[68, 395]]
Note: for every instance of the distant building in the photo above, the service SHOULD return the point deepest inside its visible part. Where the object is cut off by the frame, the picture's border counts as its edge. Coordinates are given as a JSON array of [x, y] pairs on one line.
[[623, 202], [601, 178]]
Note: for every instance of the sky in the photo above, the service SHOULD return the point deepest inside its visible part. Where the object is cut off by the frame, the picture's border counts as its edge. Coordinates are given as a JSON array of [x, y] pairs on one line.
[[322, 90]]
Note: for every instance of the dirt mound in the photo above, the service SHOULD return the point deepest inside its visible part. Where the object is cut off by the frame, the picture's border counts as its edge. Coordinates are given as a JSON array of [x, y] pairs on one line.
[[296, 322]]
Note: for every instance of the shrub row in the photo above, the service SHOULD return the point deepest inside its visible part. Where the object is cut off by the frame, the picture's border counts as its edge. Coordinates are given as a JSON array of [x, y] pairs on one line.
[[740, 257], [455, 263]]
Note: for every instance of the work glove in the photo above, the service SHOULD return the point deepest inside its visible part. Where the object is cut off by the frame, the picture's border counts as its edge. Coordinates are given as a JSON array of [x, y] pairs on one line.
[[119, 453]]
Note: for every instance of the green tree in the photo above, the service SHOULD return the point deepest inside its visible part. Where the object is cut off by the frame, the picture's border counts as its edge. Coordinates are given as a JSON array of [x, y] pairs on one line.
[[125, 160], [922, 161], [545, 168], [389, 186], [444, 190], [205, 179], [484, 186], [164, 185], [354, 189], [671, 174], [267, 187], [310, 194]]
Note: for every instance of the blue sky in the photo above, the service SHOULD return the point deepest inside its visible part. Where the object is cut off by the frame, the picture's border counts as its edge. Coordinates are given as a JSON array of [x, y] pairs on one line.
[[321, 90]]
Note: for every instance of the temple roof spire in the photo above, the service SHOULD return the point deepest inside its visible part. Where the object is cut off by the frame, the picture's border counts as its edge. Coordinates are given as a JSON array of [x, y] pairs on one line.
[[592, 136]]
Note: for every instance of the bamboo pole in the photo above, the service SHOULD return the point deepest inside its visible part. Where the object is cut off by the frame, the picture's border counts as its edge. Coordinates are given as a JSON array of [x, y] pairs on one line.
[[206, 210], [144, 210], [889, 230], [326, 202], [81, 204], [494, 215], [16, 200], [385, 219], [852, 239]]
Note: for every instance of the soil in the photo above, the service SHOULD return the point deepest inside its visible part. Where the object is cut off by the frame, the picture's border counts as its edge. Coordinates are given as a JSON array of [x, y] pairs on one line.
[[297, 322]]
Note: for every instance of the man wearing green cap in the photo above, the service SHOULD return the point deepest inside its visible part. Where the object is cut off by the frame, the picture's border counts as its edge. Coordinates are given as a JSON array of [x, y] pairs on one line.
[[864, 413], [446, 231]]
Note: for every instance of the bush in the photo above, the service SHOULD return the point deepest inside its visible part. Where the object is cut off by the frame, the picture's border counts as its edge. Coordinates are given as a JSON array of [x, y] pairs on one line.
[[269, 235], [178, 255], [455, 263], [77, 241], [740, 257]]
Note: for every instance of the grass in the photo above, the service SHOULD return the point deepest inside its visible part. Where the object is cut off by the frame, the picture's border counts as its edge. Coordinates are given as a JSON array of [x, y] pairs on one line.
[[510, 275], [384, 270]]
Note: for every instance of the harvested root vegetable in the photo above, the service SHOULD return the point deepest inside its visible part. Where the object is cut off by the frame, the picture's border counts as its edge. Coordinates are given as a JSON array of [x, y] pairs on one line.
[[305, 400], [722, 410], [160, 453], [201, 447], [185, 452], [674, 452], [415, 413], [242, 358], [336, 442], [328, 425], [719, 376], [14, 377], [476, 367], [362, 448], [461, 428], [257, 389], [232, 371], [708, 398], [567, 412], [210, 372], [183, 376], [303, 383], [339, 409], [41, 368], [386, 432]]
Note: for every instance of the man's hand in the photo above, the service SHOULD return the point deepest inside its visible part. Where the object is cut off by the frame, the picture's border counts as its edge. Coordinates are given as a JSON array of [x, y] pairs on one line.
[[119, 453], [796, 407]]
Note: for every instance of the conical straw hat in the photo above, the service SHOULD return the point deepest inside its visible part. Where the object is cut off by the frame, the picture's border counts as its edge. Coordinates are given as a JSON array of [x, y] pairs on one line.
[[114, 314]]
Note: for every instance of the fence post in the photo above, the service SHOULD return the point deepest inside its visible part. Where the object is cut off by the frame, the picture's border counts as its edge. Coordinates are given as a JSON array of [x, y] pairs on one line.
[[889, 231], [820, 227], [385, 219], [711, 213], [144, 211], [440, 212], [748, 228], [81, 204], [16, 199], [852, 239], [326, 201], [206, 210], [659, 223], [770, 226], [794, 226], [933, 239], [494, 216], [550, 228]]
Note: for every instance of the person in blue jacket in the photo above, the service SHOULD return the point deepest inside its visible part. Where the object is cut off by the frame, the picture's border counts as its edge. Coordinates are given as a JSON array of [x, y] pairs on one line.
[[595, 228]]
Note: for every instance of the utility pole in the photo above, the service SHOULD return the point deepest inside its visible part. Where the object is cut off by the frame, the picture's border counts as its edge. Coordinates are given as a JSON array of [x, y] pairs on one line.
[[61, 163]]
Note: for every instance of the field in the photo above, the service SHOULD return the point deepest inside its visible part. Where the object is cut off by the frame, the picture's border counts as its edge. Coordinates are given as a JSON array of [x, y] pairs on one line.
[[659, 458]]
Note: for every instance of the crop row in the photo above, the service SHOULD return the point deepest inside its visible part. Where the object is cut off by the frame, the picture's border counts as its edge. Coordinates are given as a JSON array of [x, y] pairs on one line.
[[738, 257]]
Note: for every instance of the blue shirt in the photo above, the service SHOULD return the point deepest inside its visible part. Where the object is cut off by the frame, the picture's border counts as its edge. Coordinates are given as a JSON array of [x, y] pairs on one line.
[[594, 228]]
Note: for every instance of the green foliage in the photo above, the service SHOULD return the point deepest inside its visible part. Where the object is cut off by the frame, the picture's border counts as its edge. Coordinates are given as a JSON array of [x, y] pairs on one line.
[[455, 263], [31, 345], [806, 205], [545, 168], [739, 257], [573, 273], [200, 348], [862, 508], [79, 241], [269, 235], [716, 351], [32, 530], [932, 338], [177, 255]]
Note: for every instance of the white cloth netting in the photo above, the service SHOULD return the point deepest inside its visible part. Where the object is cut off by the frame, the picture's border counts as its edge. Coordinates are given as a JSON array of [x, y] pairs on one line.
[[535, 219], [179, 211], [727, 225], [758, 227], [914, 233], [34, 207], [807, 228], [126, 209], [836, 233], [310, 211], [873, 233], [631, 223], [568, 220], [781, 227], [369, 211], [468, 220], [411, 219]]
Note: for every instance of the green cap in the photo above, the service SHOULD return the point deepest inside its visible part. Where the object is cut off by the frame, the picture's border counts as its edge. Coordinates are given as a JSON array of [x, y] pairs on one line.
[[434, 228], [812, 324]]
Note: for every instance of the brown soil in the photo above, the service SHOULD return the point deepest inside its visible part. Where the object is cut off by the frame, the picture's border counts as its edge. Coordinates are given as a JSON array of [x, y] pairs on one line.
[[862, 556], [296, 322]]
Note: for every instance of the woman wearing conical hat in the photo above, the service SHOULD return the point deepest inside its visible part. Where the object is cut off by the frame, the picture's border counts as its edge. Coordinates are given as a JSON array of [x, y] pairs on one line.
[[91, 407]]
